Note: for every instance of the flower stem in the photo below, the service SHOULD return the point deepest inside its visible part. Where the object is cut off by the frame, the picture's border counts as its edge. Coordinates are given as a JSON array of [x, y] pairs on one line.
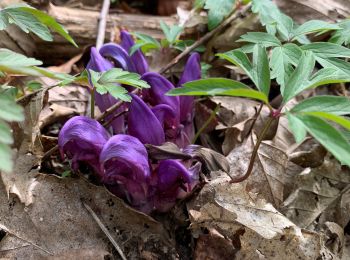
[[212, 116], [92, 103], [255, 152]]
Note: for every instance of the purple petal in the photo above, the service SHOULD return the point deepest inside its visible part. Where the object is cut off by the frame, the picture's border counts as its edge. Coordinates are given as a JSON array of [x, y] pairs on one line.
[[143, 124], [124, 162], [82, 139], [119, 55], [165, 114], [174, 181], [159, 87], [137, 58], [97, 62], [192, 71]]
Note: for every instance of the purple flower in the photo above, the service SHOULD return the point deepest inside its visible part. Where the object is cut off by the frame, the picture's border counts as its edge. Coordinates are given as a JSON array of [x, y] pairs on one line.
[[124, 163], [174, 181], [143, 124], [81, 139], [137, 58], [192, 71], [178, 120]]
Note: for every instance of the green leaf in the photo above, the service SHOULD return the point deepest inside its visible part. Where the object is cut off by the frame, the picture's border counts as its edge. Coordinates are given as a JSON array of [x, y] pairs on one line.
[[280, 65], [263, 38], [326, 76], [32, 20], [342, 36], [6, 163], [217, 86], [293, 52], [335, 63], [171, 33], [145, 42], [15, 63], [5, 133], [328, 136], [313, 26], [239, 59], [9, 110], [33, 85], [301, 74], [27, 22], [342, 121], [261, 69], [120, 76], [273, 19], [107, 82], [9, 58], [297, 127], [49, 22], [330, 104], [327, 50], [217, 11]]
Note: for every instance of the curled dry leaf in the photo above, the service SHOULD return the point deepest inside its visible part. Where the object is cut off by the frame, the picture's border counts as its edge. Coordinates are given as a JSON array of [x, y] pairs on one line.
[[319, 195]]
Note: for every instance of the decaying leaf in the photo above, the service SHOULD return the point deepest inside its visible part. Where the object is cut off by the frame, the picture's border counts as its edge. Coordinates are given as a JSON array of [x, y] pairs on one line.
[[268, 176], [58, 222], [256, 227], [320, 194]]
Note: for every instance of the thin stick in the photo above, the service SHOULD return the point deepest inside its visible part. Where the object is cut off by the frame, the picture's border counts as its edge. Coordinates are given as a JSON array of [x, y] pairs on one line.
[[104, 229], [107, 123], [102, 23], [212, 116], [235, 15], [255, 118], [111, 109]]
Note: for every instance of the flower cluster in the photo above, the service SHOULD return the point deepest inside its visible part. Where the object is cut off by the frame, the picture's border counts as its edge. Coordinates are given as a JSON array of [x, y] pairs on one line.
[[120, 161]]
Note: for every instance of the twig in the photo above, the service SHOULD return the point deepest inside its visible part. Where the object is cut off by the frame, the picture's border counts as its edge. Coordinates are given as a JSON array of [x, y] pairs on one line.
[[107, 123], [102, 23], [205, 125], [25, 240], [255, 118], [236, 14], [111, 110], [104, 229]]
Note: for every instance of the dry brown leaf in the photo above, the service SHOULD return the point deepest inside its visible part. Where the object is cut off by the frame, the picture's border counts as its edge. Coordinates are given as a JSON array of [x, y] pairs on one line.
[[321, 194], [58, 222], [268, 176], [256, 228]]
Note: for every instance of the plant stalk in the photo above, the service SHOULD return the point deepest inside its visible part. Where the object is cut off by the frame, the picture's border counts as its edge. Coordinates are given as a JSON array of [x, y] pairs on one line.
[[254, 153], [92, 103]]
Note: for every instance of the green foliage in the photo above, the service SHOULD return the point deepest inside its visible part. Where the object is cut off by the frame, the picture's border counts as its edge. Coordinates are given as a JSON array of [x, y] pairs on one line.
[[217, 87], [9, 112], [217, 11], [294, 62], [172, 34], [145, 42], [32, 20], [108, 82], [15, 63], [342, 36]]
